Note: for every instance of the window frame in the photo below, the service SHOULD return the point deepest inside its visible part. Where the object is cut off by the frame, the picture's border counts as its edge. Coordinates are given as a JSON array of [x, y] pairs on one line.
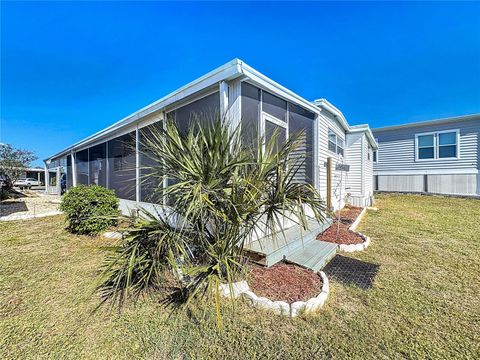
[[375, 153], [436, 145], [276, 121], [336, 143]]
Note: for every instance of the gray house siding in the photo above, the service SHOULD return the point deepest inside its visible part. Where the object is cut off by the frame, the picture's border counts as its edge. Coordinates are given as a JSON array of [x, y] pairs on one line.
[[397, 168]]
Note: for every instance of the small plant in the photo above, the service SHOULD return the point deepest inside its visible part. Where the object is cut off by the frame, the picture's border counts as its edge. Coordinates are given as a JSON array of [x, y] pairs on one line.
[[90, 209]]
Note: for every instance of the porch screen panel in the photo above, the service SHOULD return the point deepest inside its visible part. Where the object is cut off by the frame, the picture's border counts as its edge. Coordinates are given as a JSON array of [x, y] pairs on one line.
[[148, 165], [81, 162], [69, 172], [121, 166], [301, 123], [274, 106], [204, 110], [270, 130], [98, 165], [250, 114]]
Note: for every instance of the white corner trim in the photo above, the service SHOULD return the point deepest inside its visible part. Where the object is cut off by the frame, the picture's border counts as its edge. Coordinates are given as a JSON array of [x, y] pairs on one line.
[[113, 235]]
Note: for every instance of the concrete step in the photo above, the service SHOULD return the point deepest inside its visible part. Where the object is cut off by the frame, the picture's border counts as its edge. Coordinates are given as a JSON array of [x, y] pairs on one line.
[[281, 245], [314, 255]]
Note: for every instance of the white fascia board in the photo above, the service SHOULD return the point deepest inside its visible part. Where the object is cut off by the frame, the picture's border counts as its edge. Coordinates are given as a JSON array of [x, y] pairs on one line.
[[343, 121], [324, 103], [228, 71], [34, 169], [366, 129], [427, 172], [429, 122], [261, 80]]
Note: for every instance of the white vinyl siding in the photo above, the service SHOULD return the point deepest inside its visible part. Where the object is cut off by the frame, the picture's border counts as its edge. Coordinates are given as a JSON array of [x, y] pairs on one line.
[[336, 144], [367, 169], [354, 160], [359, 157], [327, 121]]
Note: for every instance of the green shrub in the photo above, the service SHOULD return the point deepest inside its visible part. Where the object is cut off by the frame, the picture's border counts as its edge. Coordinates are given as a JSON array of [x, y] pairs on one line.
[[90, 209]]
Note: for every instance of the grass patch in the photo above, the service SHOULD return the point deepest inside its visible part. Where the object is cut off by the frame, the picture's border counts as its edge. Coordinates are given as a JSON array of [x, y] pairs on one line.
[[424, 303]]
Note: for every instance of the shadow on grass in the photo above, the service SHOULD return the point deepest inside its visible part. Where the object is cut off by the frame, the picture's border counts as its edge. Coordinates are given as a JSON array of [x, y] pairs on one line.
[[12, 207]]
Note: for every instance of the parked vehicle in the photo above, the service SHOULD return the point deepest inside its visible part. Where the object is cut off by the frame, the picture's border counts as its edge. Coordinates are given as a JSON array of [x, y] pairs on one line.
[[27, 183]]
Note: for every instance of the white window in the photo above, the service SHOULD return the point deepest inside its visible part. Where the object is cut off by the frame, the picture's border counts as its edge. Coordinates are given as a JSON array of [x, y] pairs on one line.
[[447, 145], [375, 156], [332, 141], [426, 146], [335, 143], [340, 146], [437, 145]]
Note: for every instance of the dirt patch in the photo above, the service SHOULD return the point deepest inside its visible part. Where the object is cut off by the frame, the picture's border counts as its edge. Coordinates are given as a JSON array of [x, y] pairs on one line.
[[338, 232], [284, 282], [29, 204]]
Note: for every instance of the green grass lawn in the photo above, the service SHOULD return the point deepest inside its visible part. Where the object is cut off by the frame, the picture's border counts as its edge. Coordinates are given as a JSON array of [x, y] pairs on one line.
[[425, 302]]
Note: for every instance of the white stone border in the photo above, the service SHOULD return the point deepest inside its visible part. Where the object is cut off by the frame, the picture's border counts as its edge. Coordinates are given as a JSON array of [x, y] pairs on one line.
[[113, 235], [242, 289], [14, 217], [366, 239]]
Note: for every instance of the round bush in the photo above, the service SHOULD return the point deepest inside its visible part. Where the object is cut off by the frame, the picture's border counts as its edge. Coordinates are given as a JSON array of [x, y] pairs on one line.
[[90, 209]]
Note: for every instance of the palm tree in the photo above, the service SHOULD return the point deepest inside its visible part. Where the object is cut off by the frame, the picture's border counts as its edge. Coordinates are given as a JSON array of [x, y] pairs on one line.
[[220, 193]]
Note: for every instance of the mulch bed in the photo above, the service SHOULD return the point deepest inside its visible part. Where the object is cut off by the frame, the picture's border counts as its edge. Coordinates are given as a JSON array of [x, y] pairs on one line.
[[284, 282], [348, 214], [339, 233]]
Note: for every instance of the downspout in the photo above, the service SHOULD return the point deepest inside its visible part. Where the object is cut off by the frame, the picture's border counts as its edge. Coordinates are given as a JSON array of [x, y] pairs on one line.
[[362, 178]]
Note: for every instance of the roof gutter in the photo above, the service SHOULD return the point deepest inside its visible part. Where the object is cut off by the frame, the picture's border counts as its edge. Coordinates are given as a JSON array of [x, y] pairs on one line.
[[227, 71], [324, 103], [368, 132], [429, 122]]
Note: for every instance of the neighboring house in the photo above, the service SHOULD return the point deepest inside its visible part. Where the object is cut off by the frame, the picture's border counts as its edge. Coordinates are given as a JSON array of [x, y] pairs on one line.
[[36, 173], [438, 156], [244, 97]]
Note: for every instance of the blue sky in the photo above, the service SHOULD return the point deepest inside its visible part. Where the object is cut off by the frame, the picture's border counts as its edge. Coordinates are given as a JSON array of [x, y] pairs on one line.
[[70, 69]]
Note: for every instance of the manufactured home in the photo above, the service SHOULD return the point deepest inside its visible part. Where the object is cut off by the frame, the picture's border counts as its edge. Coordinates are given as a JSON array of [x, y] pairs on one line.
[[438, 156], [339, 157]]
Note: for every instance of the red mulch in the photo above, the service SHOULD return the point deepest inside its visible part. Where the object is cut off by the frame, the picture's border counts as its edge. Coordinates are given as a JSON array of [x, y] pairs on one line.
[[285, 282], [348, 215], [345, 236]]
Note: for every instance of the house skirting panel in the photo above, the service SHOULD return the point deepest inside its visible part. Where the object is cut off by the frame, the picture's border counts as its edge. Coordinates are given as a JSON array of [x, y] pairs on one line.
[[448, 184]]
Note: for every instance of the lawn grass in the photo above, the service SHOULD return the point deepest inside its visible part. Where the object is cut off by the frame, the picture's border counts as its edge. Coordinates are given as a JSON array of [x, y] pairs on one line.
[[425, 302]]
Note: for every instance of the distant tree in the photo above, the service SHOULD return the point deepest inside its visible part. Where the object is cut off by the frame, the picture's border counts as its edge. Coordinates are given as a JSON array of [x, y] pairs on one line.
[[13, 163]]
